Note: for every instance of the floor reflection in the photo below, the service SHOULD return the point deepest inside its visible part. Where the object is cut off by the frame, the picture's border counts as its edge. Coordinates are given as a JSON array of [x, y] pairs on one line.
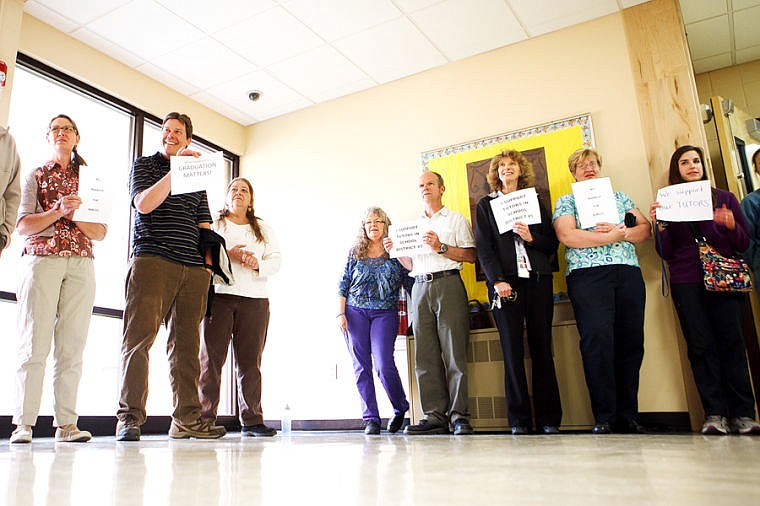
[[350, 468]]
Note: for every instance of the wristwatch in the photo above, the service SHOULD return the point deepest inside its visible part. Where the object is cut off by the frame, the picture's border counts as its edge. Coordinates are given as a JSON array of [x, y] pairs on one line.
[[443, 249]]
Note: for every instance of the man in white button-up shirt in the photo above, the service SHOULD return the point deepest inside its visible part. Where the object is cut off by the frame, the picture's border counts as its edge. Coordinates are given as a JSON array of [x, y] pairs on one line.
[[441, 324]]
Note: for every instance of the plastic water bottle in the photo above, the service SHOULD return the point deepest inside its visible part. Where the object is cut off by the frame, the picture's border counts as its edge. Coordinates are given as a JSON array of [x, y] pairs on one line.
[[285, 423]]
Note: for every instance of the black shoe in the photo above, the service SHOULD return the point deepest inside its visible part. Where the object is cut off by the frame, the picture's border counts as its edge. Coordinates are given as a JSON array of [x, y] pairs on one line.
[[550, 429], [258, 430], [371, 428], [426, 427], [629, 426], [462, 427], [601, 428], [520, 430], [395, 423]]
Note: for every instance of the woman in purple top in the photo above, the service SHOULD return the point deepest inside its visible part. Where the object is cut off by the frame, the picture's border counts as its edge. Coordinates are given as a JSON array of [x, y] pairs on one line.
[[711, 321], [368, 318]]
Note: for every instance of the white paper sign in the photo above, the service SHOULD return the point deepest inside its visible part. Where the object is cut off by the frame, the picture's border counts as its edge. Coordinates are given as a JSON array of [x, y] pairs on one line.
[[520, 205], [685, 202], [97, 197], [190, 174], [407, 239], [595, 202]]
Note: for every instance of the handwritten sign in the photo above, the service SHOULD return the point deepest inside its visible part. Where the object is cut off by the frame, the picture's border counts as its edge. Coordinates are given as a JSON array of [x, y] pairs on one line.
[[595, 202], [97, 198], [407, 239], [685, 202], [520, 205], [190, 174]]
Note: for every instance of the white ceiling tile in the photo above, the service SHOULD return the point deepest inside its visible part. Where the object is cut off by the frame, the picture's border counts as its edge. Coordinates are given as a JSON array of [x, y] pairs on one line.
[[49, 16], [746, 33], [145, 28], [167, 79], [697, 10], [81, 11], [343, 90], [459, 30], [266, 112], [223, 108], [334, 19], [708, 37], [391, 51], [747, 54], [213, 16], [415, 5], [269, 37], [744, 4], [274, 93], [210, 64], [107, 47], [315, 73], [548, 15], [712, 63]]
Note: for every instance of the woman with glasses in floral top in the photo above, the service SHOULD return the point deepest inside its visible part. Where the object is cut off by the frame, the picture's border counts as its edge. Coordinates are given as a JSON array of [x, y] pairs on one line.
[[368, 318], [57, 286]]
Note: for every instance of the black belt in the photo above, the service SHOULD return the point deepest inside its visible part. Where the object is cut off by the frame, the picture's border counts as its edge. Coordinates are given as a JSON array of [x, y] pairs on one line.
[[430, 276]]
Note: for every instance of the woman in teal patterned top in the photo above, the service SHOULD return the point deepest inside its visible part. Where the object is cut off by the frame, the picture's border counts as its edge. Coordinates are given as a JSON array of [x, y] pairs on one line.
[[607, 292], [368, 318]]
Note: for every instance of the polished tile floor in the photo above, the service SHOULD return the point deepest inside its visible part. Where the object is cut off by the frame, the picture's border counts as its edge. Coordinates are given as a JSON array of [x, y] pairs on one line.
[[349, 468]]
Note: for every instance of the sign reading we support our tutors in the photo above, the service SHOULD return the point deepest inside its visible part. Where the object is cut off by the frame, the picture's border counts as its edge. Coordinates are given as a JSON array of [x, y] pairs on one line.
[[685, 202]]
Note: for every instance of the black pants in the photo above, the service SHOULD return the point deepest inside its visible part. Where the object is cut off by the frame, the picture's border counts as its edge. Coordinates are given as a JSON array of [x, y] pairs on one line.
[[712, 326], [532, 310], [609, 311]]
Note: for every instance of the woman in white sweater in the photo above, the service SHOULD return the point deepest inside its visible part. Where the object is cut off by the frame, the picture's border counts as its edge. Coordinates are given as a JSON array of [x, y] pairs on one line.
[[240, 312]]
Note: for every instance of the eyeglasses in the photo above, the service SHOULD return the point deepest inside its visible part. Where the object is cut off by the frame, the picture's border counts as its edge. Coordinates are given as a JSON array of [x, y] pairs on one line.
[[587, 165], [65, 129], [496, 302]]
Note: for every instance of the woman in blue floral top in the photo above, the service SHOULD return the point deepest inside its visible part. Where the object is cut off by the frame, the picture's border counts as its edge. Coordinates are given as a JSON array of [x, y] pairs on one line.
[[607, 292], [368, 318]]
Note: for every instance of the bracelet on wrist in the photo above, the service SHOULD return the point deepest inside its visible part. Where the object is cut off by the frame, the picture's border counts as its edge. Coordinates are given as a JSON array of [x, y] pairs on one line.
[[340, 314], [209, 267]]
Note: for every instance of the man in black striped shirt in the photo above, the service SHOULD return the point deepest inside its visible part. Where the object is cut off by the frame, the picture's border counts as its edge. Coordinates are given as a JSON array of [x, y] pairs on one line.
[[167, 282]]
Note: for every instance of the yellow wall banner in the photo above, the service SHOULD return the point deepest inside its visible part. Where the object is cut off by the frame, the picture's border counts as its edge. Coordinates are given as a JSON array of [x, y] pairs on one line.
[[547, 147]]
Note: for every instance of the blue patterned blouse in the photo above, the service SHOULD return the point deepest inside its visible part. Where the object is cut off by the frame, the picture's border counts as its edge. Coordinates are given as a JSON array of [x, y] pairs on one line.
[[622, 252], [372, 283]]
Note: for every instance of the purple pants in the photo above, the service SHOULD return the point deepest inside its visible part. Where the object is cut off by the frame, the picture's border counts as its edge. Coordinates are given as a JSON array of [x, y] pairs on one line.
[[372, 335]]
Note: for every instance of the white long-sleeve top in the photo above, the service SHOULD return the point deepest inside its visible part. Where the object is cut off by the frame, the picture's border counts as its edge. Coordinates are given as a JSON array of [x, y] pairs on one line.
[[250, 283]]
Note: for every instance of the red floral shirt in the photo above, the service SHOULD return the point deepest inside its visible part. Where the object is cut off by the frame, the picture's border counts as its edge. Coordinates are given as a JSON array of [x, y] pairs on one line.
[[53, 182]]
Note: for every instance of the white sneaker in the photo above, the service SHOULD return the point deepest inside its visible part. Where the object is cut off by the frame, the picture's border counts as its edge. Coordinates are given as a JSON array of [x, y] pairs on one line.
[[71, 434], [22, 434], [745, 426], [715, 425]]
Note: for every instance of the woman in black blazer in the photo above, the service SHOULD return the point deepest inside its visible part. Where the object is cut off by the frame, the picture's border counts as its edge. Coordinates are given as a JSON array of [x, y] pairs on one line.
[[518, 268]]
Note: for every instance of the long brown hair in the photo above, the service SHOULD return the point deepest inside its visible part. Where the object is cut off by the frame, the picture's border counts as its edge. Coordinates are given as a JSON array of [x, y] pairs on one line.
[[526, 179], [249, 213]]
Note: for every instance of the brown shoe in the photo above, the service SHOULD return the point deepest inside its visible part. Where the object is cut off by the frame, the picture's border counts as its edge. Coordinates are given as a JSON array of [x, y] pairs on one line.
[[198, 430]]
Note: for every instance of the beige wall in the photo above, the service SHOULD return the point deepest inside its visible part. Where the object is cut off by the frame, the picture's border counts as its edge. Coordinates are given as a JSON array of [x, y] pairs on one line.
[[316, 170]]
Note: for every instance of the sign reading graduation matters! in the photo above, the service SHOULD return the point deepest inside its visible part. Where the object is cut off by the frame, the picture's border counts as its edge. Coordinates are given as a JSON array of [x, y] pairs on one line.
[[190, 174]]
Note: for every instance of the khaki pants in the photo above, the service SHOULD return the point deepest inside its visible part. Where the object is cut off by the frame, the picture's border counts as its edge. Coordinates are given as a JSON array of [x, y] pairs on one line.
[[55, 297], [157, 291]]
